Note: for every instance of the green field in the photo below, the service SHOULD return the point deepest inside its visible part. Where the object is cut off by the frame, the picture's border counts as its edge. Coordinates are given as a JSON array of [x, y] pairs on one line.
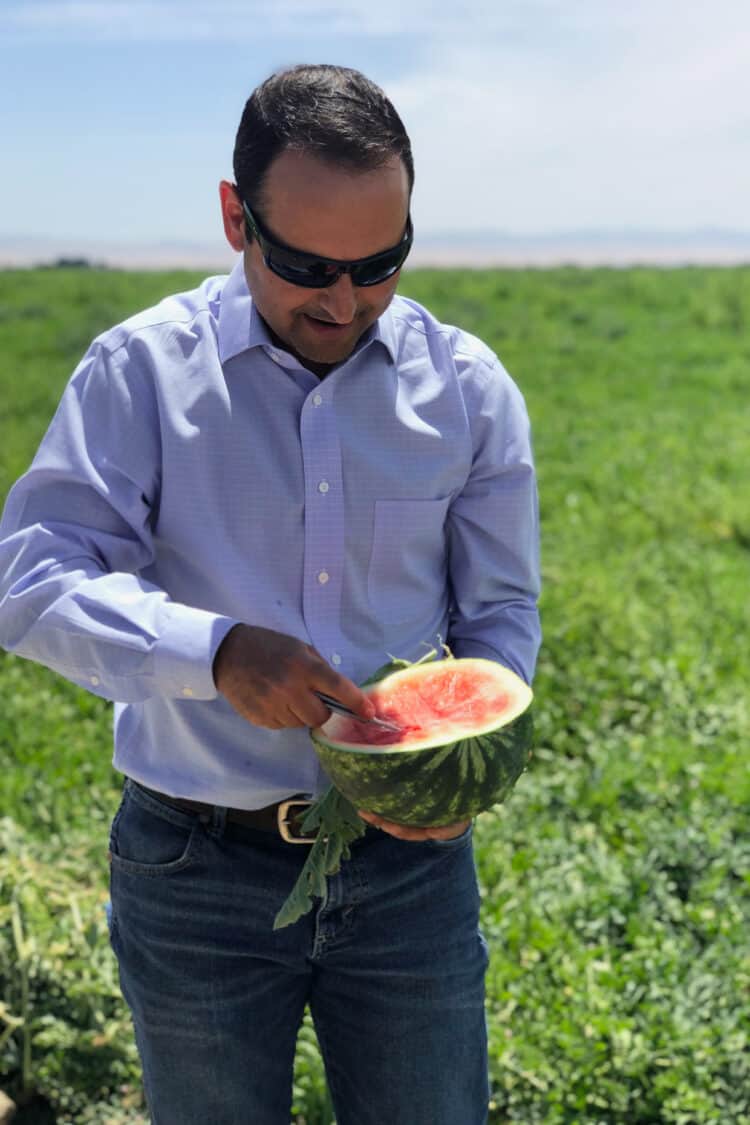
[[616, 881]]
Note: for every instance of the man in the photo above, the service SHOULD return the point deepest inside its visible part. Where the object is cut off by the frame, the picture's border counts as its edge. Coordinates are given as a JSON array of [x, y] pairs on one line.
[[251, 493]]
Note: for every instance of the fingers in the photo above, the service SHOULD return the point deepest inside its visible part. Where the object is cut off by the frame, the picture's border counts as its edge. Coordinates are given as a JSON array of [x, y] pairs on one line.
[[275, 710], [405, 832], [307, 711], [271, 678], [346, 691]]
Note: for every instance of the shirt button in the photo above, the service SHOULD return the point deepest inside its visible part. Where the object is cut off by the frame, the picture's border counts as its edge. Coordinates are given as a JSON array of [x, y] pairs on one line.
[[335, 658], [95, 681], [323, 486], [275, 357], [323, 577], [317, 400], [187, 692]]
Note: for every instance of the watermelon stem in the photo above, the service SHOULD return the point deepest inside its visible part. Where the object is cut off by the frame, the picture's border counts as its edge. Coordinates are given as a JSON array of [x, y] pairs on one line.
[[432, 652]]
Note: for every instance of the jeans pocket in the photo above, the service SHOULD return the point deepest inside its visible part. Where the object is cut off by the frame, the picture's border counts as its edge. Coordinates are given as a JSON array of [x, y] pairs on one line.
[[151, 838]]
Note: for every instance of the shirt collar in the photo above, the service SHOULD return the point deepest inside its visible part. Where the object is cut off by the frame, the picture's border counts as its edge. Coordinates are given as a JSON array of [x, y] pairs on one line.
[[384, 330], [239, 323], [241, 326]]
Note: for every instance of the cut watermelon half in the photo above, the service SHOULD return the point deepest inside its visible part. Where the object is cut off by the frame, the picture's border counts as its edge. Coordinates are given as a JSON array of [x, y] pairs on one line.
[[464, 740]]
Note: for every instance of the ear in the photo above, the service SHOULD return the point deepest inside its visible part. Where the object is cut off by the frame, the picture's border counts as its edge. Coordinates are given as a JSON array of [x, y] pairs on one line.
[[232, 215]]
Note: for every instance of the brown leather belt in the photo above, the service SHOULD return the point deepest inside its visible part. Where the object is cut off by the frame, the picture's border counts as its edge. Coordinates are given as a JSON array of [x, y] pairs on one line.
[[284, 817]]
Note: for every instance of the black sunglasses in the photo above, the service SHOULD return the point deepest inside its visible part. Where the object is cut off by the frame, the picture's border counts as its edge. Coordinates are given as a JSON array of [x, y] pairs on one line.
[[314, 272]]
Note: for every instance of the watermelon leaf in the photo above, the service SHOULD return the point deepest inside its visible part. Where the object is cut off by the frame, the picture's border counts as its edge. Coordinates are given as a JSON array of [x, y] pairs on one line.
[[338, 824]]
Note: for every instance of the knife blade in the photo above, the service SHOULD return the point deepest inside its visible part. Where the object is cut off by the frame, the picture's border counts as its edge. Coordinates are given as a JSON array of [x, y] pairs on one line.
[[341, 709]]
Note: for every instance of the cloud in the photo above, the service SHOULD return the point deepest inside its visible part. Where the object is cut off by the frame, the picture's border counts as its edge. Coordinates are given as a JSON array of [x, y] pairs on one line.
[[641, 118], [170, 21], [525, 114], [226, 21], [233, 20], [514, 23]]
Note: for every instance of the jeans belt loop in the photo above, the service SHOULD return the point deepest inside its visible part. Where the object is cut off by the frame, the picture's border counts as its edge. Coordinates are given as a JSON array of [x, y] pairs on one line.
[[217, 821]]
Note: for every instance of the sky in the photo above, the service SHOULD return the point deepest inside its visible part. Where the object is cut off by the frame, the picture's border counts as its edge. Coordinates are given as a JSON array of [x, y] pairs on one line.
[[527, 117]]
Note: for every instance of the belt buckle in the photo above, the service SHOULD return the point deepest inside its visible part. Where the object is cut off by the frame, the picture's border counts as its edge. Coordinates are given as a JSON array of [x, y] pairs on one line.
[[283, 817]]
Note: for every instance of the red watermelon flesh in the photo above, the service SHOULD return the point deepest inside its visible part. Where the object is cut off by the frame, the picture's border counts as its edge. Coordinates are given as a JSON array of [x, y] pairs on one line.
[[426, 707]]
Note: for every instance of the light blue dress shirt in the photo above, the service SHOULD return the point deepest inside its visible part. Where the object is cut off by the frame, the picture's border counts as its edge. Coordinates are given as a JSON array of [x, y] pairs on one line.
[[196, 475]]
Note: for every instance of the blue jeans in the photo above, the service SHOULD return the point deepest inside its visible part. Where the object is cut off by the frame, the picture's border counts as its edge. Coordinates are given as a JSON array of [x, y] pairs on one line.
[[391, 963]]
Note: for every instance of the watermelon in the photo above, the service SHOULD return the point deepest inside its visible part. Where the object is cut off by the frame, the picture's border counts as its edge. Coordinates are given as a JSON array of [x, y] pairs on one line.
[[464, 740]]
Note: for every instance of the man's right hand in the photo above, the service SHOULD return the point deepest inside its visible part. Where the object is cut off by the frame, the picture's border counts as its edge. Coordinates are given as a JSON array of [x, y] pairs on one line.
[[269, 678]]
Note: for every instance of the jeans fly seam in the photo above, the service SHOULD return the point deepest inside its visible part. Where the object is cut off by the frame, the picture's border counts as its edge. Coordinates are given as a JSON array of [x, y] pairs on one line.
[[319, 938]]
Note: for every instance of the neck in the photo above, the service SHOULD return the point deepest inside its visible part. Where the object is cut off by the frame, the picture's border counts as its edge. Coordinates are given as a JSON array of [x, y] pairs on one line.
[[319, 369]]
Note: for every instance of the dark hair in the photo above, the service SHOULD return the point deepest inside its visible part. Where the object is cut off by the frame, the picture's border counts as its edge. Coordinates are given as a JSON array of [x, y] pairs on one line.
[[330, 111]]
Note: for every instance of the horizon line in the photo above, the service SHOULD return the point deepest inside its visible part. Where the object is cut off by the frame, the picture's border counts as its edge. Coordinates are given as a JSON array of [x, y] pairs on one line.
[[588, 246]]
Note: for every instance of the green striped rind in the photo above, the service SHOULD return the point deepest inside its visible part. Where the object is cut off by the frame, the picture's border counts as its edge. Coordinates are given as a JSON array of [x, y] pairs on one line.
[[434, 786]]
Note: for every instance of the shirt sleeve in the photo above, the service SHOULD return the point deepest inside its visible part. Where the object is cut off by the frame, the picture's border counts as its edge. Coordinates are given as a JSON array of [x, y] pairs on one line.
[[493, 527], [76, 532]]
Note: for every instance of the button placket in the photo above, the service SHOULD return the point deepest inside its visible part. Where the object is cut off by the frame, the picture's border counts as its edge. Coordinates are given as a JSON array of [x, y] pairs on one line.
[[324, 521]]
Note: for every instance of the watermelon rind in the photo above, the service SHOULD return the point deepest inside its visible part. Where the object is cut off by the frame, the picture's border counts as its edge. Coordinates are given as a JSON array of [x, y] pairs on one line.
[[435, 782]]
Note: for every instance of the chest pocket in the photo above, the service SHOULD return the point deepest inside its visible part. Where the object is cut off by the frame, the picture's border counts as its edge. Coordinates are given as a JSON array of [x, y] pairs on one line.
[[407, 574]]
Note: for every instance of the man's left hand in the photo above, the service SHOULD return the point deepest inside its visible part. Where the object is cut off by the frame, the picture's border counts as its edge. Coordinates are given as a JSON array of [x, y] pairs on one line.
[[404, 832]]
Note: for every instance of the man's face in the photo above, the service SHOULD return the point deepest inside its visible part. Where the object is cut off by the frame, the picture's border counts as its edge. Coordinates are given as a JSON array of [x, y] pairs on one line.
[[333, 212]]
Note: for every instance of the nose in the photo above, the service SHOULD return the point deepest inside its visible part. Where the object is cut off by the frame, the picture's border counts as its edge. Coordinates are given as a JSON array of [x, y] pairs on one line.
[[339, 301]]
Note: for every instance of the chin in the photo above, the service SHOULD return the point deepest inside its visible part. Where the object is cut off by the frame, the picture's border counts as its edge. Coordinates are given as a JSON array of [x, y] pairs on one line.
[[334, 353]]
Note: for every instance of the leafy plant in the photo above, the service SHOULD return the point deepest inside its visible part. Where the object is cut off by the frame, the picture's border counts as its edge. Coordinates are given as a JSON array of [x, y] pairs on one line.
[[616, 880], [66, 1033]]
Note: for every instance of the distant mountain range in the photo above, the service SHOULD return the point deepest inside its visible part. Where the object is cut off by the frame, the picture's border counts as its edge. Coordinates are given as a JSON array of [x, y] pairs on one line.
[[590, 247], [617, 247]]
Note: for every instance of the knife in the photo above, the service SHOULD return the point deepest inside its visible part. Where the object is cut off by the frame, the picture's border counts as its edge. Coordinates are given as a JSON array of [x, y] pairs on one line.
[[340, 709]]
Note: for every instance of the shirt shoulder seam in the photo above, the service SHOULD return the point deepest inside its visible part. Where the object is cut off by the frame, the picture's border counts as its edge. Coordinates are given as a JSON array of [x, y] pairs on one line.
[[444, 330], [111, 348]]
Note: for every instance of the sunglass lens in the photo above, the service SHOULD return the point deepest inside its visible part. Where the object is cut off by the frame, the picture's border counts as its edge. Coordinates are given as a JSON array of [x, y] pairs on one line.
[[312, 273], [317, 273], [372, 273], [294, 272]]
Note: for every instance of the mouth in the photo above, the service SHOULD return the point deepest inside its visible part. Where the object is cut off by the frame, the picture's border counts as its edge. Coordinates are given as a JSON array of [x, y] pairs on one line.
[[327, 327]]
